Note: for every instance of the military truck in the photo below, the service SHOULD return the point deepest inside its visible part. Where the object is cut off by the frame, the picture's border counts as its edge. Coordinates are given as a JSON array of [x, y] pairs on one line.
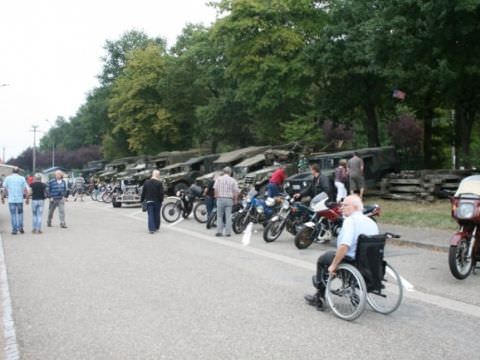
[[378, 162], [163, 159], [182, 175], [258, 173], [92, 167], [116, 166], [231, 159]]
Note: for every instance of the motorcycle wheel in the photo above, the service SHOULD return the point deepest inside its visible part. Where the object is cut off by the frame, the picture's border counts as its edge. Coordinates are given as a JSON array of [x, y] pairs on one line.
[[273, 230], [460, 267], [239, 222], [200, 212], [171, 212], [107, 197], [212, 220], [304, 239]]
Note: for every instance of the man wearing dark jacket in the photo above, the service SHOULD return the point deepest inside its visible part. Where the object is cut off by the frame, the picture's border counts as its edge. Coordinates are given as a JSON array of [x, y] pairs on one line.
[[152, 194], [320, 183]]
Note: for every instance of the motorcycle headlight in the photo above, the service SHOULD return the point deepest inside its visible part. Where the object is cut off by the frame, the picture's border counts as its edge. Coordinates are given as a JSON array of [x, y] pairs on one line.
[[270, 202], [285, 205], [304, 184], [287, 184], [187, 198], [260, 209], [465, 210], [244, 203], [179, 193]]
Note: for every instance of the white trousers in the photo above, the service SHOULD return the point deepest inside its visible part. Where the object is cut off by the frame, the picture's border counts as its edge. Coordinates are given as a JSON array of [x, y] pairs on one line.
[[341, 190]]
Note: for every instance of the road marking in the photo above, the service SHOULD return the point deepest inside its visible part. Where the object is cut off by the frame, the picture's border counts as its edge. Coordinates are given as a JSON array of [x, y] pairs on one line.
[[247, 235], [9, 333], [446, 303], [176, 222]]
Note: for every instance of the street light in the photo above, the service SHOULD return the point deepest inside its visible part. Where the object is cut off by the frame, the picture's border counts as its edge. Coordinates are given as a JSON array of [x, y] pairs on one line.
[[3, 153]]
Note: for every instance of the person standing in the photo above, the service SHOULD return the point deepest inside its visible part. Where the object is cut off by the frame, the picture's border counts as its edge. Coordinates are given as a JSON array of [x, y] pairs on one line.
[[209, 193], [226, 193], [341, 179], [57, 192], [152, 194], [78, 188], [355, 169], [16, 188], [39, 194]]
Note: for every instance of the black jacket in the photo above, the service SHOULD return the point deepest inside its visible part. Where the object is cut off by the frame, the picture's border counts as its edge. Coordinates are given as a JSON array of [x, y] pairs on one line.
[[318, 185], [152, 191]]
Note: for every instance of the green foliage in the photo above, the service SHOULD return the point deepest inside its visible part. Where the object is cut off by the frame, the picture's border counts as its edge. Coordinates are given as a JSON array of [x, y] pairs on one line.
[[272, 71]]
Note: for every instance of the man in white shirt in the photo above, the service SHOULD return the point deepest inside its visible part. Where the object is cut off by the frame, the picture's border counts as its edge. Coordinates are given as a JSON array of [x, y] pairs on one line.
[[354, 225]]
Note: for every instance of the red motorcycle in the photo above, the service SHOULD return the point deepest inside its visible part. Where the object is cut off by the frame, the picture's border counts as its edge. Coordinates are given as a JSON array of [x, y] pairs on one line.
[[464, 249], [326, 222]]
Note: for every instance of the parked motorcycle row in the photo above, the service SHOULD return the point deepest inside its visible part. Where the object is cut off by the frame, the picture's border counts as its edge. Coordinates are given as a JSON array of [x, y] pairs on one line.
[[319, 221]]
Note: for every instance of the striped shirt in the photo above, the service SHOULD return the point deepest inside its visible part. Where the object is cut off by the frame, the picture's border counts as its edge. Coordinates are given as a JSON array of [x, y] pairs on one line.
[[226, 187]]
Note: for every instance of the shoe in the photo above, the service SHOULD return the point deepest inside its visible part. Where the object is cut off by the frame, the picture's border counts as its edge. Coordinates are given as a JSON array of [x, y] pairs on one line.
[[218, 234], [49, 224], [14, 232], [39, 232], [152, 232], [63, 226], [34, 231], [228, 235], [22, 231], [316, 301]]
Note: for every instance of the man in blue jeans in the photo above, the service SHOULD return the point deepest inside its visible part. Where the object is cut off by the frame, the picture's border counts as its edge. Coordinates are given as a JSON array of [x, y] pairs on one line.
[[152, 195], [16, 188]]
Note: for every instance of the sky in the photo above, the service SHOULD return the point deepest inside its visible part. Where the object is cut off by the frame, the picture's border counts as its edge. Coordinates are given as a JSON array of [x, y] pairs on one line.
[[50, 54]]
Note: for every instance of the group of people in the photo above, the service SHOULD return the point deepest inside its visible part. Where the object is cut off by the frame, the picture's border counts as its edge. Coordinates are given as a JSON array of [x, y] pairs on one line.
[[350, 172], [18, 192]]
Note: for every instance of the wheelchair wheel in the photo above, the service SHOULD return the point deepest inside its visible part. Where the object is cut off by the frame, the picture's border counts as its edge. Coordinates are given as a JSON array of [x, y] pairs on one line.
[[346, 292], [388, 299]]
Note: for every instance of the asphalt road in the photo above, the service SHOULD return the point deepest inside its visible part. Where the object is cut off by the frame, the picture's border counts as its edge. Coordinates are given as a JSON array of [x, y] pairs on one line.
[[106, 289]]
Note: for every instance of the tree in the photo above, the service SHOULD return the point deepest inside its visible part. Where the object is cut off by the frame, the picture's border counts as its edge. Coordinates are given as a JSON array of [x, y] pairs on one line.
[[136, 103]]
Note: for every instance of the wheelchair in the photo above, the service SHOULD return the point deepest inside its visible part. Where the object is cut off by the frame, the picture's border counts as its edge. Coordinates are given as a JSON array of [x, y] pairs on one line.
[[367, 279]]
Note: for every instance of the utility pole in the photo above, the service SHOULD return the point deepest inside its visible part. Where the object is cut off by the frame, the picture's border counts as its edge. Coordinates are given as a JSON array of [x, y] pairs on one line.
[[34, 129], [3, 154]]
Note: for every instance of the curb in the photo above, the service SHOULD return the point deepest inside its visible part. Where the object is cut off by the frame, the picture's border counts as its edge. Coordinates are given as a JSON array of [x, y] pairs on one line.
[[418, 244]]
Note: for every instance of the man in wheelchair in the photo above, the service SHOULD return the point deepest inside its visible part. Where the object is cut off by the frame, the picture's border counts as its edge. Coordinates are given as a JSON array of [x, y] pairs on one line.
[[354, 225]]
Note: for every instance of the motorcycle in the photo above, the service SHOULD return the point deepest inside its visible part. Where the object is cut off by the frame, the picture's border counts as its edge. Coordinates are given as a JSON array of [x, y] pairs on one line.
[[212, 219], [255, 210], [326, 222], [291, 216], [181, 204], [464, 249]]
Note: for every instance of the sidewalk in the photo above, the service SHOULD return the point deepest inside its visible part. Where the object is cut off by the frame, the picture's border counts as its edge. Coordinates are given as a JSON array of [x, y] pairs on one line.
[[432, 239]]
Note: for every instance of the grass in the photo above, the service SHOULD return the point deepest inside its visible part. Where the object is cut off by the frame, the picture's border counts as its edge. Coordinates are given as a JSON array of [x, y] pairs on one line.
[[434, 215]]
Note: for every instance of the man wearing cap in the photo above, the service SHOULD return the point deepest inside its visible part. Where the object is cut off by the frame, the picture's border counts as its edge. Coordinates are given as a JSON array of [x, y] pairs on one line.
[[226, 193], [16, 188]]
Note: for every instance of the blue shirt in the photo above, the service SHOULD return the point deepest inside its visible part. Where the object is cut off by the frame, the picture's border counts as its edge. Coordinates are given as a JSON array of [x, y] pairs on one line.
[[16, 187], [57, 189], [354, 226]]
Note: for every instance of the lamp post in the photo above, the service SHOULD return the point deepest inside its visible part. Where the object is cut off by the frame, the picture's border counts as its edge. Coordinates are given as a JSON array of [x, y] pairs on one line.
[[34, 130]]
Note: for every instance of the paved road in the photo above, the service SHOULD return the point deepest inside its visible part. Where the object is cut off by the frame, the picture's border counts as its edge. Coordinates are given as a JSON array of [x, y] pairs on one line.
[[106, 289]]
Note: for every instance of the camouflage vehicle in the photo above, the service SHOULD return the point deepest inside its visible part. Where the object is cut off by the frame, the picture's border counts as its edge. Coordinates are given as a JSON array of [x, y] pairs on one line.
[[131, 169], [259, 173], [113, 168], [231, 159], [92, 168], [378, 161], [163, 159], [182, 175]]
